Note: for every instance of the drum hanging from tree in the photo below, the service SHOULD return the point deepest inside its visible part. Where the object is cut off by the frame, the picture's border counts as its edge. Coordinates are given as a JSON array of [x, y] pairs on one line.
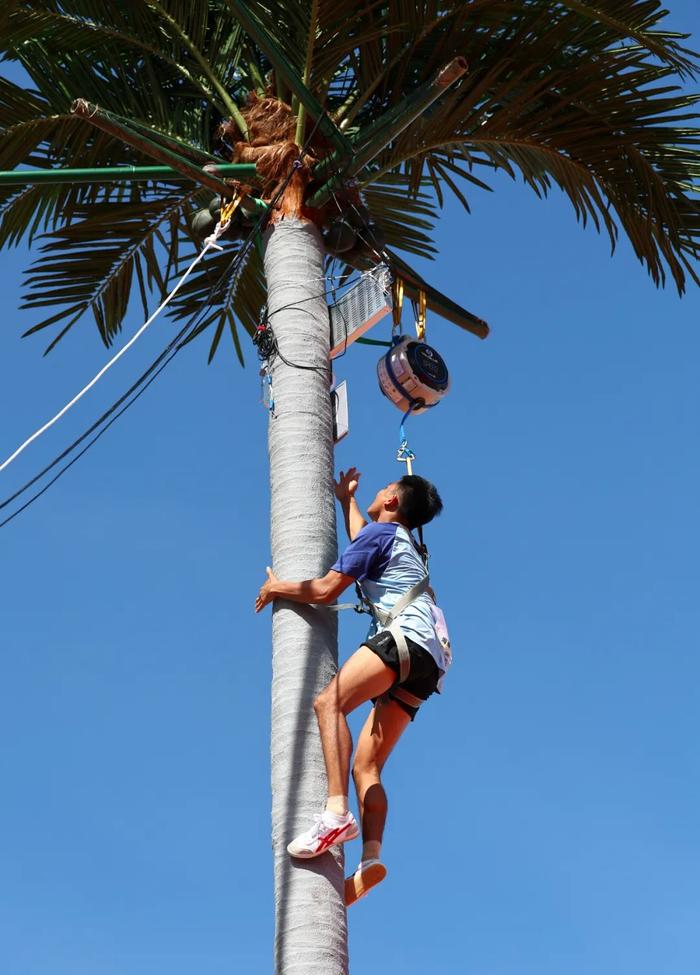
[[413, 374]]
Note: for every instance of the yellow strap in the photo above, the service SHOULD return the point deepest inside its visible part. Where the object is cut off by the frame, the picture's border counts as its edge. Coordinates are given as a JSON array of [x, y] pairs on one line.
[[229, 208], [420, 324], [398, 301]]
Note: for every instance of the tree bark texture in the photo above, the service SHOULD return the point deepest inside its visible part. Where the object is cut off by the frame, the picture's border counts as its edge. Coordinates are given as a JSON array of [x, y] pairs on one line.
[[311, 927]]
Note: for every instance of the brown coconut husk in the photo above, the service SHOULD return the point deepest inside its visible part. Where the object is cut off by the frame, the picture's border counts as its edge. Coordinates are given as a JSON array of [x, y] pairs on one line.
[[271, 146]]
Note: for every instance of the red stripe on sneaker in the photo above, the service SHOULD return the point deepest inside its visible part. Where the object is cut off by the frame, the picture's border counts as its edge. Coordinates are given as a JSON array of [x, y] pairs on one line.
[[330, 837]]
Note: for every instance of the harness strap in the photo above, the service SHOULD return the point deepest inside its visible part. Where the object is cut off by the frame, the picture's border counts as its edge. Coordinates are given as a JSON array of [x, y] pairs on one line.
[[402, 647], [403, 602], [401, 694], [389, 619], [336, 607]]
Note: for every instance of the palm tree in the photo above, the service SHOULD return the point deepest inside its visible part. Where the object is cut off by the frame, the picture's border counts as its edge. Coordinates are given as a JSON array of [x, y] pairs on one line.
[[568, 94]]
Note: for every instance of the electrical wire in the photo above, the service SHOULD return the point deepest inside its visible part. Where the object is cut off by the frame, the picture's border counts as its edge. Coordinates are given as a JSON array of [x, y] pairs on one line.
[[157, 366], [382, 255], [144, 381], [209, 243], [178, 341], [77, 457]]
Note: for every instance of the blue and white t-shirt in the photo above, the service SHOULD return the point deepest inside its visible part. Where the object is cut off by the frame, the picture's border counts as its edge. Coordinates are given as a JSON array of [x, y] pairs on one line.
[[384, 559]]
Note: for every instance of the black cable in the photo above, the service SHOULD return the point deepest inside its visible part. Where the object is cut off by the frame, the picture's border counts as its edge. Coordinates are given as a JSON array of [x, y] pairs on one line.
[[173, 348], [268, 349], [175, 344], [265, 341], [87, 446], [97, 422], [143, 381], [383, 254]]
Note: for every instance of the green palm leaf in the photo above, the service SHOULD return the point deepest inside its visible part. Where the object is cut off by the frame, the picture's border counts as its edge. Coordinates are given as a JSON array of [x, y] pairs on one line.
[[569, 94], [225, 297], [92, 264], [407, 220]]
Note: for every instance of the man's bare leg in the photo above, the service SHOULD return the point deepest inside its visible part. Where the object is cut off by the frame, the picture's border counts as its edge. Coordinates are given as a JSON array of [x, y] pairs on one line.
[[361, 678], [364, 676], [381, 731], [383, 728]]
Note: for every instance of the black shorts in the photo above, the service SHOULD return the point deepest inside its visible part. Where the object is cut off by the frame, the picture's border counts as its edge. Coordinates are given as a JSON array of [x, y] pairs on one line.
[[422, 677]]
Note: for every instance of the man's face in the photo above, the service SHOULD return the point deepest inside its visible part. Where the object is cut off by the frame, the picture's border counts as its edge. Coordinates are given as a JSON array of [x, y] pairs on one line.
[[386, 499]]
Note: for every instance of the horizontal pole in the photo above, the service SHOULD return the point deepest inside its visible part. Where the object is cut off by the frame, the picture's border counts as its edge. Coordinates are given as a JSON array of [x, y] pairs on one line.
[[123, 132], [437, 302], [413, 284], [110, 174]]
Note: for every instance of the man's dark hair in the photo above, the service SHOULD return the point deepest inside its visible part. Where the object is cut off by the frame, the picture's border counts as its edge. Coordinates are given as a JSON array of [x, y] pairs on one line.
[[419, 501]]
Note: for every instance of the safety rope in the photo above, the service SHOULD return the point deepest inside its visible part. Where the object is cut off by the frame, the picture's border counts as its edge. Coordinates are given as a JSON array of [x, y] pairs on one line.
[[210, 243], [404, 454]]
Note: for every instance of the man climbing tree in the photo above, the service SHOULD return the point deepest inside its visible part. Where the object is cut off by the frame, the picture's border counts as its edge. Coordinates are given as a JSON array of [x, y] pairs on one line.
[[401, 663], [387, 125]]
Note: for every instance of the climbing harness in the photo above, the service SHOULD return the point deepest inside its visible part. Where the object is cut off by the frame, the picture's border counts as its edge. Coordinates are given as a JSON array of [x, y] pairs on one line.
[[389, 620]]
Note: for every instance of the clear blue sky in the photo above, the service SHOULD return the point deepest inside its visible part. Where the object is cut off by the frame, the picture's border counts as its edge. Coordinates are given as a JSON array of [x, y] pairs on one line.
[[544, 812]]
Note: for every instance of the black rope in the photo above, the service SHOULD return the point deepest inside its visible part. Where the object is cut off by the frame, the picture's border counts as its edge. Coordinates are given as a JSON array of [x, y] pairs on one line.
[[147, 377], [265, 340], [268, 343]]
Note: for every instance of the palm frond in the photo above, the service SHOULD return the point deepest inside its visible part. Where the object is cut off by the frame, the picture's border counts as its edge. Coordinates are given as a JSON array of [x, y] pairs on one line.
[[577, 95], [407, 220], [560, 99], [92, 264], [230, 292]]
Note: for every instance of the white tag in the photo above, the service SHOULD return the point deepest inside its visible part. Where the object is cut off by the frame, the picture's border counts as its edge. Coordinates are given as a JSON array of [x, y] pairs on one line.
[[442, 633], [341, 412]]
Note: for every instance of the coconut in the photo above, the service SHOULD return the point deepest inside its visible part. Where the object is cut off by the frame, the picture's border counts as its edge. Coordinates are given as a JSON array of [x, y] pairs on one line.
[[358, 216], [203, 223], [372, 237], [339, 237]]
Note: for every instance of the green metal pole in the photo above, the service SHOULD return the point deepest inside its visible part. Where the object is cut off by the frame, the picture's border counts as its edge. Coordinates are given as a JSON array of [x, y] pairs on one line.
[[199, 156], [382, 132], [438, 303], [108, 174], [124, 133]]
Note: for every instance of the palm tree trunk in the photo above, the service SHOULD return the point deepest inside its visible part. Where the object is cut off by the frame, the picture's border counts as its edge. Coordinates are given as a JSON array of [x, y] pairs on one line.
[[311, 929]]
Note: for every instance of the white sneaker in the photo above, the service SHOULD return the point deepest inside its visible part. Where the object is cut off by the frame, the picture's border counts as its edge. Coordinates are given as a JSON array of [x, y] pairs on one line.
[[327, 830]]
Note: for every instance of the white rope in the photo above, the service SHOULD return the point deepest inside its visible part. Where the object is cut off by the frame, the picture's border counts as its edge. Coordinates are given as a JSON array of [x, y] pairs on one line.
[[209, 243]]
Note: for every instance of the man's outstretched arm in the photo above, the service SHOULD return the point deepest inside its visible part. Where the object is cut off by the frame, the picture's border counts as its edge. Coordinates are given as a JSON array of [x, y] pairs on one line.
[[345, 488], [323, 590]]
